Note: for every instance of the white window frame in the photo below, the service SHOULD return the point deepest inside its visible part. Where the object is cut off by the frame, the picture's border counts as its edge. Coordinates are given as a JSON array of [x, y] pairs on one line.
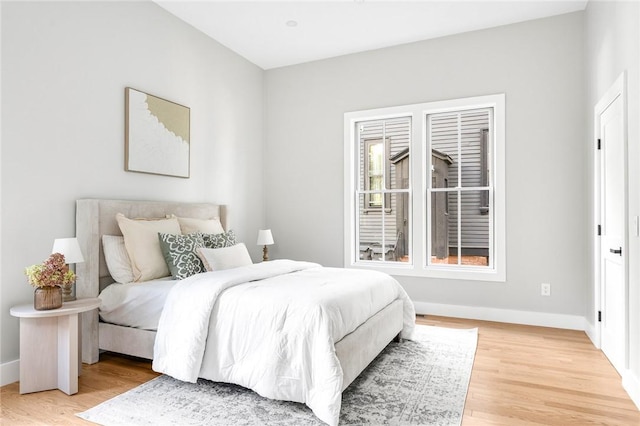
[[418, 265]]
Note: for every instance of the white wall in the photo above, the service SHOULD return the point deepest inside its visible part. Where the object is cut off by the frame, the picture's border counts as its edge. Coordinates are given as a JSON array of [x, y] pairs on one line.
[[537, 64], [64, 70], [612, 34]]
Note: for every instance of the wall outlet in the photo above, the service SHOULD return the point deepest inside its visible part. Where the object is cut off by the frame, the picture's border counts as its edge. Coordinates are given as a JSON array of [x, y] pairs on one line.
[[545, 289]]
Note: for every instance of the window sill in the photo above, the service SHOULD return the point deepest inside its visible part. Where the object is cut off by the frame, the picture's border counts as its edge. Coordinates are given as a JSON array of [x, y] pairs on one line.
[[467, 273]]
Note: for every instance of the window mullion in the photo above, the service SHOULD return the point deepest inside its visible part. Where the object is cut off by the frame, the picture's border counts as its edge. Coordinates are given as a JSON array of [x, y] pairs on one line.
[[459, 192], [382, 194], [459, 213], [491, 162], [429, 190]]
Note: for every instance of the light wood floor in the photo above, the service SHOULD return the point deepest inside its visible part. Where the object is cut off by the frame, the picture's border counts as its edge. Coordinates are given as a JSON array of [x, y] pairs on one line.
[[522, 375]]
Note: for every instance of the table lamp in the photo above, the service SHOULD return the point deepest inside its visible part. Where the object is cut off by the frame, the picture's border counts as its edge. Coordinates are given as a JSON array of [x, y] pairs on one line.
[[70, 248], [265, 239]]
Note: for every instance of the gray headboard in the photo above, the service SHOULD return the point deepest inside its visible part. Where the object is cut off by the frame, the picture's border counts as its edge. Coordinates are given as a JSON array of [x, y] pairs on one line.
[[95, 218]]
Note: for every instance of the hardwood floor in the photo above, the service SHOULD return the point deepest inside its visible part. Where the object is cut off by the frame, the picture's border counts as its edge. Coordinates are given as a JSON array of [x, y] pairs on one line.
[[522, 375], [525, 375], [113, 375]]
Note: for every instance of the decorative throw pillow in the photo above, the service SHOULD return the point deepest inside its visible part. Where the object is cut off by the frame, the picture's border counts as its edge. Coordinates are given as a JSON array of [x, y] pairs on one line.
[[179, 252], [143, 246], [224, 239], [225, 258], [117, 258], [190, 225]]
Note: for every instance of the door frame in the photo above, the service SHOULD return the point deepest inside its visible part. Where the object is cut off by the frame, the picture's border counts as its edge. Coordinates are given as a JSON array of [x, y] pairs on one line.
[[617, 90]]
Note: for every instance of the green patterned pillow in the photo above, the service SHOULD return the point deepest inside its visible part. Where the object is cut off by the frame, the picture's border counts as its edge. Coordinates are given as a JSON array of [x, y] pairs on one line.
[[179, 252], [225, 239]]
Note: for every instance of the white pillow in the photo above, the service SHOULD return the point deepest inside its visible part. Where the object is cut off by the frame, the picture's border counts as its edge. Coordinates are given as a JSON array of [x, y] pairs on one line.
[[143, 245], [224, 258], [117, 258], [190, 225]]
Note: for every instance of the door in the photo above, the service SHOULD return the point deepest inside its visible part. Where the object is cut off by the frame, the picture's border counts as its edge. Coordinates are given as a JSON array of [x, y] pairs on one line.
[[613, 293]]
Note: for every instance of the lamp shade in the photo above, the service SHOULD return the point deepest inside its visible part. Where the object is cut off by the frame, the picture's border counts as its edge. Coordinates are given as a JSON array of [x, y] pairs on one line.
[[264, 237], [70, 248]]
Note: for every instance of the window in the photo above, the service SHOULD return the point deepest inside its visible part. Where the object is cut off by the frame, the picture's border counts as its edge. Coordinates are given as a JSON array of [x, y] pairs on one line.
[[424, 189], [382, 189], [460, 233]]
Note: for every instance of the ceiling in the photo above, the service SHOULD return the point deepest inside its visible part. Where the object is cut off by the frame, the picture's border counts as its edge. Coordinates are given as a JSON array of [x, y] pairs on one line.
[[274, 34]]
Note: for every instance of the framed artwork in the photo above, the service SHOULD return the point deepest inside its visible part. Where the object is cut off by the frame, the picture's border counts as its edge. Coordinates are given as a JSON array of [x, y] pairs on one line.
[[157, 136]]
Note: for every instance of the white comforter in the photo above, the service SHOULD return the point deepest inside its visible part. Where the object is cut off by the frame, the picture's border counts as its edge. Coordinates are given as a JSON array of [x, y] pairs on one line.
[[271, 327]]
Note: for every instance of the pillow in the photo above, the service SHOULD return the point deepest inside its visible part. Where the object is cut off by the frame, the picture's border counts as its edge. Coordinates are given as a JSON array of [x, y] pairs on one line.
[[143, 245], [118, 262], [224, 239], [190, 225], [224, 258], [179, 253]]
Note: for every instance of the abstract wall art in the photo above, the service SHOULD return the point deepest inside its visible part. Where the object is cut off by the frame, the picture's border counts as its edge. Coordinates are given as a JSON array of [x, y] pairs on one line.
[[157, 136]]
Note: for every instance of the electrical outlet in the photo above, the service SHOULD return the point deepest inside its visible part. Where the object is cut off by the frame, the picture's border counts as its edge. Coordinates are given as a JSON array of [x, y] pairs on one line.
[[545, 289]]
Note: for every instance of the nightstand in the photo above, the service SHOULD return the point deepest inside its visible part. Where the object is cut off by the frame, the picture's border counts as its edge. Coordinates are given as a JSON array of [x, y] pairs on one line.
[[49, 342]]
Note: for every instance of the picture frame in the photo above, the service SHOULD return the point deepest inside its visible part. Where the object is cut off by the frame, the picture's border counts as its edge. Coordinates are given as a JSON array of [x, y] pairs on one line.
[[157, 135]]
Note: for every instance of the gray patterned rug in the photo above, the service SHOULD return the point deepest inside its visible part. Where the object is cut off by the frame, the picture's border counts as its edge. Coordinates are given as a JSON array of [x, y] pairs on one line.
[[421, 382]]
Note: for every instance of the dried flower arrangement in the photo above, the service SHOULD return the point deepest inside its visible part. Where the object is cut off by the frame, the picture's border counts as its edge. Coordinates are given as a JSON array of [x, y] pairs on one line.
[[52, 272]]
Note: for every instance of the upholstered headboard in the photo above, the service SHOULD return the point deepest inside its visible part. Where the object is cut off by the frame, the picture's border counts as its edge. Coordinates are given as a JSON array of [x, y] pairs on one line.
[[95, 218]]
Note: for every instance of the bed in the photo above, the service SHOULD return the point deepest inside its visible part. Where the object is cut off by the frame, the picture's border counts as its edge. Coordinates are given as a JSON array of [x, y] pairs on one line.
[[96, 218]]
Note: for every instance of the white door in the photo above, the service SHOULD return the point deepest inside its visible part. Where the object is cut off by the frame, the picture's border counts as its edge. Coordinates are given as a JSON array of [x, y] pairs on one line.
[[613, 294]]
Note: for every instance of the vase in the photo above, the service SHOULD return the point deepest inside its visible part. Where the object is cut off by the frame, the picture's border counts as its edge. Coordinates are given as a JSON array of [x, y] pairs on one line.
[[48, 297]]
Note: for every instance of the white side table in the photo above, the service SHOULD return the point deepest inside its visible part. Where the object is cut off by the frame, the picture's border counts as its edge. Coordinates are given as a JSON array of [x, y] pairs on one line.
[[49, 342]]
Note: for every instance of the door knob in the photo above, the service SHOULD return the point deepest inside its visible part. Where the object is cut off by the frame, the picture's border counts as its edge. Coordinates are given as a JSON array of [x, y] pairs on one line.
[[616, 251]]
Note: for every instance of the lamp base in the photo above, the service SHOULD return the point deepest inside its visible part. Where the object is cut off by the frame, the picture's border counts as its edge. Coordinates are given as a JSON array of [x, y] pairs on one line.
[[67, 293], [265, 254]]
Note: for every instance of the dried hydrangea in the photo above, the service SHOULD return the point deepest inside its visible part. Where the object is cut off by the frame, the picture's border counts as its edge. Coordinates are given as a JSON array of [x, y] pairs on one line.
[[52, 272]]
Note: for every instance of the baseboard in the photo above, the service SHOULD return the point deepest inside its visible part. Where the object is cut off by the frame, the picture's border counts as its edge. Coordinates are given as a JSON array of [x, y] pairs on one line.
[[631, 384], [591, 332], [9, 372], [542, 319]]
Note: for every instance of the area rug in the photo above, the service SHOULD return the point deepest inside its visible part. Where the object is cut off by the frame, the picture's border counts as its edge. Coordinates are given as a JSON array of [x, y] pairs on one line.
[[419, 382]]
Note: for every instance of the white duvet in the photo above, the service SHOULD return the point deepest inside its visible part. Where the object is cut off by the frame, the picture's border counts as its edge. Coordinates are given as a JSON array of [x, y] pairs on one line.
[[271, 327]]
